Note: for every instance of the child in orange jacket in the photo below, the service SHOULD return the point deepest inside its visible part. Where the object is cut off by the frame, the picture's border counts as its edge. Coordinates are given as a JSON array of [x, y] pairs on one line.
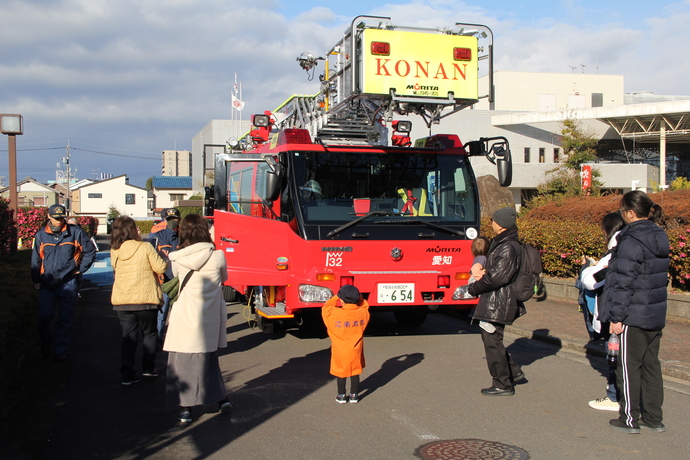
[[346, 316]]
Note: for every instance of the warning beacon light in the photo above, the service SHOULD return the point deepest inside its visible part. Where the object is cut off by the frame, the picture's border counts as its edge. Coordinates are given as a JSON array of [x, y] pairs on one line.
[[401, 135]]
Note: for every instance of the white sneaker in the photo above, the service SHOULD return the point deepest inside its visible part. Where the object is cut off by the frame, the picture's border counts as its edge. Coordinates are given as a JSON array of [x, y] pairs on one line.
[[604, 404]]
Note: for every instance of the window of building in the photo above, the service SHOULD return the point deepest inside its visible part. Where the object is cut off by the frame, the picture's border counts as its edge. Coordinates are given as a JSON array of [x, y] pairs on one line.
[[95, 195], [556, 155], [597, 99], [176, 196], [542, 155], [527, 150], [129, 198]]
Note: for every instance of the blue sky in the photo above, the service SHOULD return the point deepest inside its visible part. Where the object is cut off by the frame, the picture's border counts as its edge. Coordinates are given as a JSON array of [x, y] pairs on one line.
[[124, 80]]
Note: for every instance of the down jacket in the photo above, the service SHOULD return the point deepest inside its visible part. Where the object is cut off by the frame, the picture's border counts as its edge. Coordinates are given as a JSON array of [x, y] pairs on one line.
[[135, 264], [198, 318], [497, 302], [346, 323], [635, 290]]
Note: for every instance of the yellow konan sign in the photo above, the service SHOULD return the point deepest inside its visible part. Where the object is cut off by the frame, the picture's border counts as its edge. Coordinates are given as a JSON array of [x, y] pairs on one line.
[[419, 64]]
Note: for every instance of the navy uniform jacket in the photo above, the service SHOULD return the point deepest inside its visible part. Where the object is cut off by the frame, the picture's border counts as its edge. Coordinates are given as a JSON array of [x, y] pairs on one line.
[[58, 257], [165, 241]]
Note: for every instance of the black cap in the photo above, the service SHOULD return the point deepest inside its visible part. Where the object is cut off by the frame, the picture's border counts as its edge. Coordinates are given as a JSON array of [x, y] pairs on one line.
[[349, 294], [170, 213], [505, 217], [57, 211]]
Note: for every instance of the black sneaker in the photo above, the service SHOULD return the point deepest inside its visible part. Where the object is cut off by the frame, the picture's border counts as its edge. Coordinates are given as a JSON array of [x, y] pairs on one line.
[[341, 399], [185, 415], [353, 398], [616, 424], [150, 375], [656, 427], [224, 406], [130, 380]]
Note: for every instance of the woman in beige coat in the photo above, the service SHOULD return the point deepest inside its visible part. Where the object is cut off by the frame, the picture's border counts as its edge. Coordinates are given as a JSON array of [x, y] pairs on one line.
[[197, 326], [136, 295]]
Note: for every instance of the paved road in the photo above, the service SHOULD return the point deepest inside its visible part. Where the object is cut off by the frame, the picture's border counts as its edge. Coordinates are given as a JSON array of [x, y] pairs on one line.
[[420, 386]]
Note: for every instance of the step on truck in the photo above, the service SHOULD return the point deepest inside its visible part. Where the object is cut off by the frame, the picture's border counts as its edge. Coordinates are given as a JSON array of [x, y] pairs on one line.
[[329, 189]]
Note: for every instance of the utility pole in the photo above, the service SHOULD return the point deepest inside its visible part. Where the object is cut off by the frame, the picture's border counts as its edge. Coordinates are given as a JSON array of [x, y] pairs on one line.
[[68, 201]]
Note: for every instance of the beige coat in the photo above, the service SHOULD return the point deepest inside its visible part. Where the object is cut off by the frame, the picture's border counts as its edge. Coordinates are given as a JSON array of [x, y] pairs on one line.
[[198, 318], [136, 264]]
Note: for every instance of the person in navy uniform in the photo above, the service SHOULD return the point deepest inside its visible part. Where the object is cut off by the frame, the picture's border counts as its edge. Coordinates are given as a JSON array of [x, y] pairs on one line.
[[165, 240], [61, 254]]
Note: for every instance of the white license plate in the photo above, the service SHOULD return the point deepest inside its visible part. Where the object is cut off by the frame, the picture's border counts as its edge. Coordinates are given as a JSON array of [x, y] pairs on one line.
[[395, 293]]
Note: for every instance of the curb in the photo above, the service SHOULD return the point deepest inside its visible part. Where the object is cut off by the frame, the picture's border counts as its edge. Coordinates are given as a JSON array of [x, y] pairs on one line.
[[595, 349]]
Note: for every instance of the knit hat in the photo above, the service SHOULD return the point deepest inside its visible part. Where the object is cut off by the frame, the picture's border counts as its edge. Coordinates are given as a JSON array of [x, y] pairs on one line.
[[505, 217], [349, 294], [57, 211]]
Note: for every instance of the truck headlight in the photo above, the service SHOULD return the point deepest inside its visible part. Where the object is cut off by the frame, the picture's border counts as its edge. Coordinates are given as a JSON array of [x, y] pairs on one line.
[[310, 293]]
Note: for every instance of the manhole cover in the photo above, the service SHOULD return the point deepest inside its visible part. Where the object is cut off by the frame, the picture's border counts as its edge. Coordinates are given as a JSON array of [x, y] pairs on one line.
[[470, 449]]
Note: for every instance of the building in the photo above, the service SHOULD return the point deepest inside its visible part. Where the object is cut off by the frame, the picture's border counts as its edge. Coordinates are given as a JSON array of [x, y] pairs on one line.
[[176, 163], [634, 130], [32, 193], [98, 198], [210, 140], [169, 191]]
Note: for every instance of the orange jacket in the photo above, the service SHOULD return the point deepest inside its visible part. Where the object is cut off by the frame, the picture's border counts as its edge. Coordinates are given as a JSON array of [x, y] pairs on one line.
[[346, 323]]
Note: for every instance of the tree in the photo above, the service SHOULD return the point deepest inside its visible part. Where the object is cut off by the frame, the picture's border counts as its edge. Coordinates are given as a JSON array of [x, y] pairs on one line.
[[149, 183], [579, 146]]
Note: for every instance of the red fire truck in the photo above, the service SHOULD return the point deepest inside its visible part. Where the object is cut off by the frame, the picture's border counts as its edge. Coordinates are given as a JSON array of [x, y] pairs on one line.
[[313, 198]]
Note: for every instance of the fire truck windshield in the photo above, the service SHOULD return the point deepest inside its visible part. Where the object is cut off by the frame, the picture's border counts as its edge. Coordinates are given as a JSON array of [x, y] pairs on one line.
[[387, 187]]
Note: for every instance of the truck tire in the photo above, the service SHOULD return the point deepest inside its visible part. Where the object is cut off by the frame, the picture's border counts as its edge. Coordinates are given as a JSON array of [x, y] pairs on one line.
[[229, 294], [410, 317]]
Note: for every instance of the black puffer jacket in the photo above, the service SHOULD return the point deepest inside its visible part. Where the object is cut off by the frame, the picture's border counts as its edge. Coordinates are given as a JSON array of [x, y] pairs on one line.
[[497, 302], [636, 278]]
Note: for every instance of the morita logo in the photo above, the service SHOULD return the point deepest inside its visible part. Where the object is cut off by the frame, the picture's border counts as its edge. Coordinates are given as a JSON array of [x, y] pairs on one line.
[[422, 88], [334, 249]]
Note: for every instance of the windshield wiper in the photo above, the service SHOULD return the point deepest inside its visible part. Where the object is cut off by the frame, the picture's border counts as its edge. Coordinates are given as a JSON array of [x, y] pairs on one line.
[[358, 220], [433, 225]]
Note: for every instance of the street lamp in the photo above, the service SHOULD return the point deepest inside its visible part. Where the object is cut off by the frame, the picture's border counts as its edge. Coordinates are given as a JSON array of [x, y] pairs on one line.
[[11, 124]]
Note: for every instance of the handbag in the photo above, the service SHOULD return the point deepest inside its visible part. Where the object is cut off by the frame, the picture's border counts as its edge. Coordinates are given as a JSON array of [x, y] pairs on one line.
[[173, 288]]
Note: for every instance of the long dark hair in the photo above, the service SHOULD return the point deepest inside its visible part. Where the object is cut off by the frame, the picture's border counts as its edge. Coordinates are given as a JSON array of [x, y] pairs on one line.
[[194, 229], [611, 223], [124, 229], [643, 206]]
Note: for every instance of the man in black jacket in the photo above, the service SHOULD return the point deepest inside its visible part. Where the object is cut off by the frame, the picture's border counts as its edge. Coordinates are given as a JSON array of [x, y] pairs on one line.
[[497, 303]]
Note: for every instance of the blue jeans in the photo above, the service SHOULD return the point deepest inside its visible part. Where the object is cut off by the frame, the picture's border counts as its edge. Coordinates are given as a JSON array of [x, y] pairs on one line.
[[132, 322], [63, 298], [162, 317]]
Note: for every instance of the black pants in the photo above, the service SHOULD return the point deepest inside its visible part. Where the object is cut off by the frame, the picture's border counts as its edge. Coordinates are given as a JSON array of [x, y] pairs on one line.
[[354, 385], [132, 322], [501, 365], [639, 373]]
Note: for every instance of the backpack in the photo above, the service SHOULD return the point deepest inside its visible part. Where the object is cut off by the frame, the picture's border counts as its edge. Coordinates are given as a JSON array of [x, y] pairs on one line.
[[527, 281]]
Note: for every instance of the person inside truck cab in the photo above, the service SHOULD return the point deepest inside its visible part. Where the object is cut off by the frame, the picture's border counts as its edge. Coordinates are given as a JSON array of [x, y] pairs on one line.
[[311, 191]]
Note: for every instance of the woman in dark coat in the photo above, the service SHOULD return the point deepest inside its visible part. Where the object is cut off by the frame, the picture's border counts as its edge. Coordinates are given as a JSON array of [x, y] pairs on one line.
[[635, 305]]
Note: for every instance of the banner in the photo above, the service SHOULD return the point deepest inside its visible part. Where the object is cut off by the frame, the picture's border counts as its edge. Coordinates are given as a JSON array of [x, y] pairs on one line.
[[237, 104], [586, 174]]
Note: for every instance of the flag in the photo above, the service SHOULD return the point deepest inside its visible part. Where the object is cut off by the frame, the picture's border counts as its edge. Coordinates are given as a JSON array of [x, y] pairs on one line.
[[234, 87], [237, 104]]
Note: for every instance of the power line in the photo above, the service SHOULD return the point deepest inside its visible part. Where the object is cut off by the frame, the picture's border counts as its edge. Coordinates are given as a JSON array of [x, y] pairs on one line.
[[116, 154]]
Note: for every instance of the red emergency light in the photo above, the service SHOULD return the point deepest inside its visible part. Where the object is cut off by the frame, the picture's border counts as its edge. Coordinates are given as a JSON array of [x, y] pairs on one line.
[[381, 48], [462, 54], [294, 136]]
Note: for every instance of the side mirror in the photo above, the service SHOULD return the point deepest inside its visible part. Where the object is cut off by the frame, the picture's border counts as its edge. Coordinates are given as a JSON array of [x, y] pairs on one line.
[[274, 180], [504, 166]]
